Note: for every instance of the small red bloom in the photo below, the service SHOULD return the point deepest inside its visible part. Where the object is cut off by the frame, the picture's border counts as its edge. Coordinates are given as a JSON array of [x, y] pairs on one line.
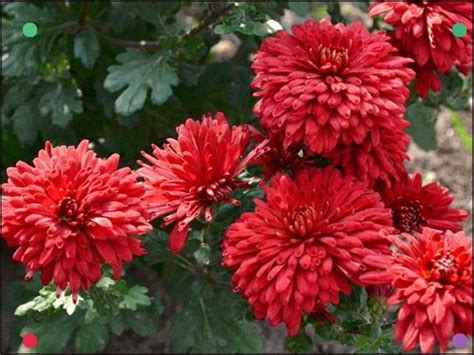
[[424, 30], [280, 159], [194, 171], [415, 206], [432, 275], [70, 212], [378, 158], [326, 84], [304, 244]]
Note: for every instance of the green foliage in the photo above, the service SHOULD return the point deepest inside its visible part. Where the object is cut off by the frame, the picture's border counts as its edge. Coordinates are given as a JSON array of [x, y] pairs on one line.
[[136, 296], [108, 307], [210, 322], [423, 120], [87, 47], [139, 72], [24, 55], [248, 19], [299, 344], [423, 114], [358, 324]]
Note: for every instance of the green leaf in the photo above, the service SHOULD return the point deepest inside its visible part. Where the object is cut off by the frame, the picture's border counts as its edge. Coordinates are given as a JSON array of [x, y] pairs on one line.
[[61, 102], [117, 324], [138, 73], [136, 296], [209, 324], [25, 125], [299, 344], [423, 119], [40, 303], [91, 338], [22, 56], [53, 335], [202, 255], [141, 323], [86, 47], [301, 8], [248, 18]]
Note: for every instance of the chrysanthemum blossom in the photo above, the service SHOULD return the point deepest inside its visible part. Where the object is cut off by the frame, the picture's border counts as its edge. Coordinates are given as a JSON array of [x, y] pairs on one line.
[[326, 84], [71, 212], [432, 276], [302, 246], [424, 29], [415, 206], [191, 173], [379, 158]]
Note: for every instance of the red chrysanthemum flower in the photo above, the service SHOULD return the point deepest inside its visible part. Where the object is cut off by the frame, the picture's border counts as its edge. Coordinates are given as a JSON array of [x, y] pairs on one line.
[[432, 276], [192, 172], [415, 206], [379, 157], [70, 212], [326, 84], [304, 244], [424, 30]]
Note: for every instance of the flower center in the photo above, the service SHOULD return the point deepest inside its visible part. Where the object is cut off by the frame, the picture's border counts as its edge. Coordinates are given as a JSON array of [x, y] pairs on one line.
[[216, 191], [69, 212], [332, 59], [301, 220], [444, 267], [407, 216]]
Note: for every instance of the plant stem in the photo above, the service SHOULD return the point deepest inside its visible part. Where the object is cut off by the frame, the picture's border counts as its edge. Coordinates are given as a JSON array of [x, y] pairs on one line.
[[83, 14], [212, 18], [130, 43], [466, 138]]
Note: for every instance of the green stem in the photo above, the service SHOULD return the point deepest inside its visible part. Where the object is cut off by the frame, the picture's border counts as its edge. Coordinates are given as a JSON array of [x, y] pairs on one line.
[[334, 10], [462, 132]]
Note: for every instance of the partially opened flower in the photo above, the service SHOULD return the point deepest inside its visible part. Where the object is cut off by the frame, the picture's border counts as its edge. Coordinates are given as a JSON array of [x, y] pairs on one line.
[[327, 84], [432, 277], [424, 29], [280, 159], [191, 173], [71, 212], [415, 206], [304, 244], [379, 158]]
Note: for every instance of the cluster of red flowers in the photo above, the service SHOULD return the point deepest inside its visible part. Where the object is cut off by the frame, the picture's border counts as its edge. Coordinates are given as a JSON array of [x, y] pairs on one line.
[[423, 31], [329, 95]]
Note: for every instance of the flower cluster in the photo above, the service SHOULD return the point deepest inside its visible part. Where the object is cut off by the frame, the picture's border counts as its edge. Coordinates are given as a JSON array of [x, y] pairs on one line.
[[331, 102], [423, 30]]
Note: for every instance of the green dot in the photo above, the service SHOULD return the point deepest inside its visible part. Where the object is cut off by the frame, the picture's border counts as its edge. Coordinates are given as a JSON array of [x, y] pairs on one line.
[[459, 29], [30, 29]]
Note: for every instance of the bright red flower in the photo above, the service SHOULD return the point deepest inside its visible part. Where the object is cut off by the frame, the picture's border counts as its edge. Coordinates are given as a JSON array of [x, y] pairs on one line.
[[432, 275], [415, 206], [194, 171], [70, 212], [304, 244], [379, 157], [326, 84], [424, 29]]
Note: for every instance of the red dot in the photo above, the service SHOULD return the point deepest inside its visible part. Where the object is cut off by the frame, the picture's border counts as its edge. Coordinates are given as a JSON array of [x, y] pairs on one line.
[[30, 340]]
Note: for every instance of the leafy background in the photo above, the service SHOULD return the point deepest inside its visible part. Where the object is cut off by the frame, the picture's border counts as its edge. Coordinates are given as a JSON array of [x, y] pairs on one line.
[[123, 75]]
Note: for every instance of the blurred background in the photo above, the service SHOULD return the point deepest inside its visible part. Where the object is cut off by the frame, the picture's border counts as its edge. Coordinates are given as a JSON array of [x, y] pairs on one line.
[[86, 74]]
